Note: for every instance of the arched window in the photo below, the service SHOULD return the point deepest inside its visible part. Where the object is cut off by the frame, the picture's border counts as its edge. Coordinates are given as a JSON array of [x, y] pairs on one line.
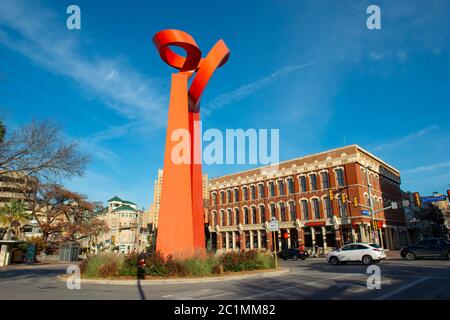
[[273, 214], [302, 181], [228, 196], [281, 189], [229, 217], [282, 212], [327, 207], [262, 214], [253, 215], [292, 215], [236, 195], [316, 208], [222, 218], [253, 192], [236, 216], [305, 211], [325, 180], [246, 216], [313, 182]]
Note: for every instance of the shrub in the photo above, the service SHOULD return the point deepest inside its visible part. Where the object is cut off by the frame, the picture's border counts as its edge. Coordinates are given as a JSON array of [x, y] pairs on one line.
[[130, 265], [101, 265], [202, 266]]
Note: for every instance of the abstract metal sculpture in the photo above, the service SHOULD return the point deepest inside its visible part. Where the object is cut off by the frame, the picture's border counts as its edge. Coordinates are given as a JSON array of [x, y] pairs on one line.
[[181, 214]]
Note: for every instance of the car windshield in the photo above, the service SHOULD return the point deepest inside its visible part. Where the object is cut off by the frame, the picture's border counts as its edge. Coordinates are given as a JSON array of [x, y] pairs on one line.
[[375, 245]]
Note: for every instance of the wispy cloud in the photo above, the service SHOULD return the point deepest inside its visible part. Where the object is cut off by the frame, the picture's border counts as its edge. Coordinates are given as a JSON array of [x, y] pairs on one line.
[[428, 168], [408, 138], [249, 89], [49, 45]]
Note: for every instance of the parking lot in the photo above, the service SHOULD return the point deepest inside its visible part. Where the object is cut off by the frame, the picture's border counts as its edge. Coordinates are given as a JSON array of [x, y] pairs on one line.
[[309, 279]]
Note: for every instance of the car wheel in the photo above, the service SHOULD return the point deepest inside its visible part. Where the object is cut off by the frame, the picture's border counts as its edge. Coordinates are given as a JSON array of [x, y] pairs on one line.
[[334, 260], [367, 260], [410, 256], [295, 258]]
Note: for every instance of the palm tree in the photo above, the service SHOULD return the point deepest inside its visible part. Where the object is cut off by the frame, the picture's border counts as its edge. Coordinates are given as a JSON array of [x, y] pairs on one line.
[[12, 214]]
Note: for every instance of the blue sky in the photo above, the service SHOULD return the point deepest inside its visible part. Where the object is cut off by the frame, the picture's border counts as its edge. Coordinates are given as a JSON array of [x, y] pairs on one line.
[[309, 68]]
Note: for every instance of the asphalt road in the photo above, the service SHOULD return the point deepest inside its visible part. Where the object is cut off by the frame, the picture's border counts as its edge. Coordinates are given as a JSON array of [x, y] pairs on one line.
[[310, 279]]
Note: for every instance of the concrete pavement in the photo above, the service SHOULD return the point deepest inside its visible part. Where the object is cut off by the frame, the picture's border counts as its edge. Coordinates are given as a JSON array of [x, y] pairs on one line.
[[310, 279]]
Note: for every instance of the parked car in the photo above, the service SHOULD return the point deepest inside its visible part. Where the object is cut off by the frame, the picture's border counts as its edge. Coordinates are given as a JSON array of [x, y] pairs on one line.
[[292, 254], [357, 252], [429, 248]]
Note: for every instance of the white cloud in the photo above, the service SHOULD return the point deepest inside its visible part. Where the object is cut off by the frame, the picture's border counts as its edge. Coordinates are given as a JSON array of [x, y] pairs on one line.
[[33, 32], [428, 168], [248, 89], [408, 138]]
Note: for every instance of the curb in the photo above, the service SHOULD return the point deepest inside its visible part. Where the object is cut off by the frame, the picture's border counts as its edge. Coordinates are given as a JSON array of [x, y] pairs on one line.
[[185, 280]]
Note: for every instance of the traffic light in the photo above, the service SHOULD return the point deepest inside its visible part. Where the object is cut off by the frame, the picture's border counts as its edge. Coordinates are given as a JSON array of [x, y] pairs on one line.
[[417, 201], [331, 194], [344, 198], [355, 202], [374, 225]]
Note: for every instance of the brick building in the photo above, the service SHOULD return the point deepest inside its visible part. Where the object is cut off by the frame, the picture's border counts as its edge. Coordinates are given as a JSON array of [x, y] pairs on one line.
[[297, 193]]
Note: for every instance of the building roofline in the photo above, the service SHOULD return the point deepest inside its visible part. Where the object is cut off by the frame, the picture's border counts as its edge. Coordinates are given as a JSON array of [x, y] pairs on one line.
[[310, 155]]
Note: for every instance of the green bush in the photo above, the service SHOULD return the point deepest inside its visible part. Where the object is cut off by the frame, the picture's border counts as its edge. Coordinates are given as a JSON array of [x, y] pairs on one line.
[[108, 265]]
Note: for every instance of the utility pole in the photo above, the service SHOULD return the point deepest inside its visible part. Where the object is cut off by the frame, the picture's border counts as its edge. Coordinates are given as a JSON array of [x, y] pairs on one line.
[[371, 208]]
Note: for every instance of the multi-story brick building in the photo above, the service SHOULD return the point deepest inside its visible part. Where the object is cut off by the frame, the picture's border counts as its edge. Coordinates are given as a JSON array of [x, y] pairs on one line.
[[297, 193]]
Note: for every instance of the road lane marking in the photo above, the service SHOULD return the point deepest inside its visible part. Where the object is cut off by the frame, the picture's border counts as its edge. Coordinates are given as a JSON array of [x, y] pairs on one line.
[[403, 288], [295, 287]]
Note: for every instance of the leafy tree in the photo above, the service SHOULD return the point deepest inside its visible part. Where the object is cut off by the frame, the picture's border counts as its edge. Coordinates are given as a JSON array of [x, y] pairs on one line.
[[62, 213], [12, 215]]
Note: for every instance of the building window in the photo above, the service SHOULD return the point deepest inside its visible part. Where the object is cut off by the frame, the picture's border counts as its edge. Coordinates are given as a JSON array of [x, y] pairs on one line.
[[282, 212], [340, 177], [228, 196], [303, 183], [313, 181], [247, 239], [292, 211], [261, 191], [246, 216], [262, 214], [316, 208], [222, 218], [214, 198], [253, 215], [342, 208], [229, 217], [222, 197], [236, 216], [224, 239], [305, 211], [245, 190], [272, 211], [236, 195], [325, 180], [230, 240], [271, 189], [255, 239], [290, 186], [253, 192], [281, 190], [327, 207]]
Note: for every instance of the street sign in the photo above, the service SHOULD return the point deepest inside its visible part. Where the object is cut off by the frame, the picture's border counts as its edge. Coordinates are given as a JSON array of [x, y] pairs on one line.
[[434, 199], [273, 225], [365, 212], [394, 205]]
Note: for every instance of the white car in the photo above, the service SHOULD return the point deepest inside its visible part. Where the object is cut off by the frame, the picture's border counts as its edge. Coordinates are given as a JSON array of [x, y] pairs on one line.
[[361, 252]]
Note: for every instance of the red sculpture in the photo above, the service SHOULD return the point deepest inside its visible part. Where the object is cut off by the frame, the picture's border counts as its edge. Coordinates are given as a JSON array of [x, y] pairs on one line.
[[181, 215]]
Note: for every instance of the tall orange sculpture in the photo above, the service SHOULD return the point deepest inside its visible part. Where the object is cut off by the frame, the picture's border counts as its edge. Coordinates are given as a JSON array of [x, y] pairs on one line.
[[181, 215]]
